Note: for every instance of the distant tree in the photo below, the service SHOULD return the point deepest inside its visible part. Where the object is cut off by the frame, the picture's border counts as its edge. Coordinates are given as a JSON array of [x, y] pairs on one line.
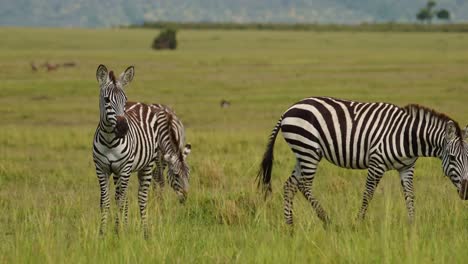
[[428, 12], [166, 39], [443, 14], [424, 15]]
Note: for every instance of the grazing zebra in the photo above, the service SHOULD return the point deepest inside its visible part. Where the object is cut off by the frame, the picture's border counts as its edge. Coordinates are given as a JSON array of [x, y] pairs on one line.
[[178, 137], [126, 141], [373, 136]]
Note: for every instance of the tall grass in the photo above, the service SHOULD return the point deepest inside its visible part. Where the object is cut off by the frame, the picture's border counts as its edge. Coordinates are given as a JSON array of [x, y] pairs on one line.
[[49, 196]]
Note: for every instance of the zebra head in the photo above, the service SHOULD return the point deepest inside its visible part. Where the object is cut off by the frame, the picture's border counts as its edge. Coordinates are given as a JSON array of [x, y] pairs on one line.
[[455, 158], [179, 172], [112, 99]]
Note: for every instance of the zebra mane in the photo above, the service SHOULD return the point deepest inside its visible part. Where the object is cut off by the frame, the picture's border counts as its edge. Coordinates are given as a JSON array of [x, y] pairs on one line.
[[172, 135], [416, 110]]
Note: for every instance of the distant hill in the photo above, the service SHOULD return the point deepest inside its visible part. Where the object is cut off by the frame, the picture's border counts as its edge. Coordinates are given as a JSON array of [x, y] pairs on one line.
[[94, 13]]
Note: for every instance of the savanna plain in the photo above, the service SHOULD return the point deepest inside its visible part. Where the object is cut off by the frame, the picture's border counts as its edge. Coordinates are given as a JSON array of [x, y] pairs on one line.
[[49, 194]]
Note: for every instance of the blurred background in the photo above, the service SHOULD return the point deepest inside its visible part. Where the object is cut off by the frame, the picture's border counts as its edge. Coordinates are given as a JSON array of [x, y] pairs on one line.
[[91, 13]]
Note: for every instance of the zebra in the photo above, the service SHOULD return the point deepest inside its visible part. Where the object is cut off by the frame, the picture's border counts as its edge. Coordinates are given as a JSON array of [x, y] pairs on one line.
[[171, 153], [374, 136], [178, 137], [126, 141]]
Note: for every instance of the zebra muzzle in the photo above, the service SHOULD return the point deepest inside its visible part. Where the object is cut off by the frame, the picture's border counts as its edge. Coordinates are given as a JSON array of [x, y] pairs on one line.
[[182, 193], [121, 127], [464, 190]]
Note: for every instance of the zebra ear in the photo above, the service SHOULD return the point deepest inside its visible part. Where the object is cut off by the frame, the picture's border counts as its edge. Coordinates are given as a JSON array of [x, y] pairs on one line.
[[101, 74], [450, 131], [127, 76], [465, 133], [187, 150]]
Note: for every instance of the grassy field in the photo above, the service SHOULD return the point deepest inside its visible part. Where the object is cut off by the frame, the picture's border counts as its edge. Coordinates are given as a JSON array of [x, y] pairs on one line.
[[49, 196]]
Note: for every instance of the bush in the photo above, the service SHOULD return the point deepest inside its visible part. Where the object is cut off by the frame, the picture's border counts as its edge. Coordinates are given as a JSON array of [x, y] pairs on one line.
[[165, 40]]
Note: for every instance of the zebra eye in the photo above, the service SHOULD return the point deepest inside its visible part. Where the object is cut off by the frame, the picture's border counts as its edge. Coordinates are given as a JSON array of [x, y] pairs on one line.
[[452, 158], [106, 99]]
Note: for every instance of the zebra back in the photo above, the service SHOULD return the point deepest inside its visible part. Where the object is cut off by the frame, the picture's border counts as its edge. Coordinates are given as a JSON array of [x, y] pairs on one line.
[[177, 130]]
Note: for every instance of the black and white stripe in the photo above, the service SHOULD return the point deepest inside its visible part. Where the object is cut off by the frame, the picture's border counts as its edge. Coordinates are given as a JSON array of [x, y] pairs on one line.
[[373, 136]]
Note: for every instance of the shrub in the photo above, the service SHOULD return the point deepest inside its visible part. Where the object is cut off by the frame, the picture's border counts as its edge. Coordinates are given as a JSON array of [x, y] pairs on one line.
[[165, 40]]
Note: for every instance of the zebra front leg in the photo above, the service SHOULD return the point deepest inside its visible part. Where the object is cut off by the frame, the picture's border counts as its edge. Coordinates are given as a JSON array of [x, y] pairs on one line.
[[103, 179], [117, 198], [374, 175], [144, 179], [290, 189], [121, 198], [406, 177], [118, 193], [158, 177]]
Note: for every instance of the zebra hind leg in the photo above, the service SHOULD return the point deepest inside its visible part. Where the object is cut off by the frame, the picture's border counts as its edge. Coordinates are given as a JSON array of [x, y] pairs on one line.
[[305, 186], [374, 175], [406, 177], [144, 179], [290, 189]]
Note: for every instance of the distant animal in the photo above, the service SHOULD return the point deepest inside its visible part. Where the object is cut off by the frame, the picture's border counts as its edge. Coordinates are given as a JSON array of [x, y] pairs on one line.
[[51, 67], [33, 67], [129, 140], [373, 136], [69, 64], [177, 134], [225, 104]]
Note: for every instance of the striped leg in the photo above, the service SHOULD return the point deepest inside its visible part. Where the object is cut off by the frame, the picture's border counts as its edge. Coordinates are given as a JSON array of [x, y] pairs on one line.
[[144, 178], [305, 186], [406, 177], [374, 175], [103, 179], [290, 189], [121, 198], [117, 197], [158, 176]]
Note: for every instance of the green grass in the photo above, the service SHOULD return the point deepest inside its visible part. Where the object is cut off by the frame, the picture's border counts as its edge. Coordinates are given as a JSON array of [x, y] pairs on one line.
[[49, 196]]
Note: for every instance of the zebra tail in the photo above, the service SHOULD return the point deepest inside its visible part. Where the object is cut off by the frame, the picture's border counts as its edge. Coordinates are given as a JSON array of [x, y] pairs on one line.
[[264, 174]]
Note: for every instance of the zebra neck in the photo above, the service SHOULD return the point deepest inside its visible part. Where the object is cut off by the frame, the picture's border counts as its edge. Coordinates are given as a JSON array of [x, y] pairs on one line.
[[167, 145], [426, 138], [106, 131]]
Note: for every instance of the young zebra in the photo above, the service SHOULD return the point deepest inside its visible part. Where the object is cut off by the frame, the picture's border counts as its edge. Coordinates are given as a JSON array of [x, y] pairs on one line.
[[127, 141], [373, 136], [177, 136]]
